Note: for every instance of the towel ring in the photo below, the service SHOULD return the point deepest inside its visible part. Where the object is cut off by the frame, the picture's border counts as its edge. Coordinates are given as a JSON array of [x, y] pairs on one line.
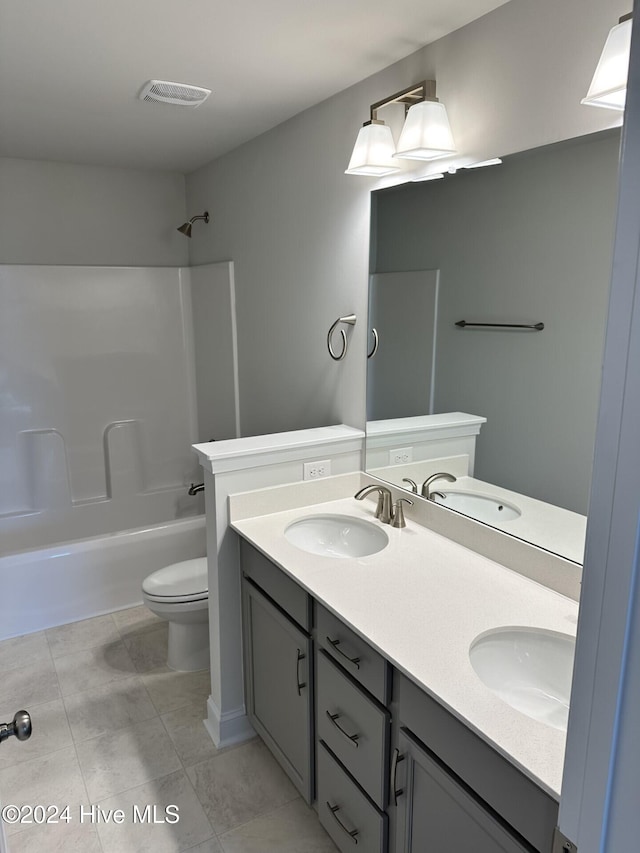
[[376, 341], [350, 321]]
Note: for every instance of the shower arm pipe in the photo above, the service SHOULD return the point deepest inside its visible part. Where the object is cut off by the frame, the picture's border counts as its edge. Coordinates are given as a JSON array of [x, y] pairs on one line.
[[186, 227]]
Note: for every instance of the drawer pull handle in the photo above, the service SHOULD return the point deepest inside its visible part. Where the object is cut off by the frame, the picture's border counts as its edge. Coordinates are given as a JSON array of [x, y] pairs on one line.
[[350, 832], [299, 685], [335, 644], [397, 758], [353, 739]]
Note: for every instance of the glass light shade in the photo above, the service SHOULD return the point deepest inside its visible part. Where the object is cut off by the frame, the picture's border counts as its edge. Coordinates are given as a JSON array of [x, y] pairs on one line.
[[426, 134], [609, 85], [373, 152]]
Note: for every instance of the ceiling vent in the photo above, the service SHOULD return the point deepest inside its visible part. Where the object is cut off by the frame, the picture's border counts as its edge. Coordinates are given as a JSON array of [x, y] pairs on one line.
[[180, 94]]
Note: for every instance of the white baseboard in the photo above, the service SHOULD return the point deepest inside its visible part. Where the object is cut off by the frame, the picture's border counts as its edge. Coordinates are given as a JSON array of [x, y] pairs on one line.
[[228, 728]]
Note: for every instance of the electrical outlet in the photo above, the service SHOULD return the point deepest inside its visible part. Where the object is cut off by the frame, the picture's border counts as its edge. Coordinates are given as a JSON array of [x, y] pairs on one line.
[[315, 470], [401, 456]]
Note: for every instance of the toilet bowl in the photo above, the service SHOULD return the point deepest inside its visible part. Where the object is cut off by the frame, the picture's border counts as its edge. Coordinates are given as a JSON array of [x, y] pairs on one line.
[[179, 593]]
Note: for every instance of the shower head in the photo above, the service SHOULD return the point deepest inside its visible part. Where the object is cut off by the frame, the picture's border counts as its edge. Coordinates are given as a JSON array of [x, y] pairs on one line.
[[186, 227]]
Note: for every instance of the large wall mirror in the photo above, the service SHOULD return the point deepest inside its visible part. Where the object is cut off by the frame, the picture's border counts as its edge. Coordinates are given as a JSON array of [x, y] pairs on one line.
[[509, 411]]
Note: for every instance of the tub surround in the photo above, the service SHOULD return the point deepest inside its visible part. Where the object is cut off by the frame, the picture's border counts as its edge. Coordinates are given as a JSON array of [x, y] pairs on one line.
[[420, 602], [84, 453]]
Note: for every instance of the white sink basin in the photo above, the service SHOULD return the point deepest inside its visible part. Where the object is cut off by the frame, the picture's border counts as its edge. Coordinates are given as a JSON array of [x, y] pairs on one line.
[[529, 669], [336, 536], [481, 507]]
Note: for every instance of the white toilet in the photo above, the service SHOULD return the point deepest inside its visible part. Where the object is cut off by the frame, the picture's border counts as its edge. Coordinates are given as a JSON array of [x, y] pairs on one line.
[[179, 593]]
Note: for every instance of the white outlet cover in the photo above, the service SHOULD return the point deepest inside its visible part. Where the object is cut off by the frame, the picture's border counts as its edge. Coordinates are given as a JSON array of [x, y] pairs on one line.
[[401, 456], [316, 470]]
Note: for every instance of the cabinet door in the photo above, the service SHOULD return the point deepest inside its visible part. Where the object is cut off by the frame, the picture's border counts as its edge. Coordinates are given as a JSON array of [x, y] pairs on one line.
[[436, 814], [278, 685]]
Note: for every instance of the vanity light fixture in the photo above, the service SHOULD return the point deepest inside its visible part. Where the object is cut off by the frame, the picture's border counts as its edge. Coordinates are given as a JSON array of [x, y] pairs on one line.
[[609, 85], [426, 133]]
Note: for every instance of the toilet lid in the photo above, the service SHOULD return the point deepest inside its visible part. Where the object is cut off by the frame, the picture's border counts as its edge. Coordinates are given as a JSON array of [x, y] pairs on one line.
[[179, 579]]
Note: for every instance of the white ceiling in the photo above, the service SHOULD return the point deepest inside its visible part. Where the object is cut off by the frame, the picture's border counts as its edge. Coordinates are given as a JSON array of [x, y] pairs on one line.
[[71, 70]]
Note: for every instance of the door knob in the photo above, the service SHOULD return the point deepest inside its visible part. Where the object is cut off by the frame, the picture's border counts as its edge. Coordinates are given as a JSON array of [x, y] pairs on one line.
[[19, 727]]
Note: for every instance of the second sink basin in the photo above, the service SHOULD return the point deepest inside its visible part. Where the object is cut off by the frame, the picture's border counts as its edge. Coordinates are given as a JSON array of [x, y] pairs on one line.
[[529, 669], [336, 536], [481, 507]]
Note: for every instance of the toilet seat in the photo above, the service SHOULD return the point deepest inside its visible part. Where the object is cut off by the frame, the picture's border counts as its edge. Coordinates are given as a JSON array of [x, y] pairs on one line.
[[178, 583]]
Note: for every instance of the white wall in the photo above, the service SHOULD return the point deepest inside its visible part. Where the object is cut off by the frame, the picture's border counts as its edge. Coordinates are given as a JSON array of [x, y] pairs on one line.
[[297, 228], [61, 213]]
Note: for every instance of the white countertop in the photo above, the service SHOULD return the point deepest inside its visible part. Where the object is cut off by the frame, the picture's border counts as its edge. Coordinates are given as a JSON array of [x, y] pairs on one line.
[[420, 602]]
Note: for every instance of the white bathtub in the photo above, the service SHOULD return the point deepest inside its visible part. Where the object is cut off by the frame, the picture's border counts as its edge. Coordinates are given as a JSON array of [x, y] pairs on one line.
[[76, 580]]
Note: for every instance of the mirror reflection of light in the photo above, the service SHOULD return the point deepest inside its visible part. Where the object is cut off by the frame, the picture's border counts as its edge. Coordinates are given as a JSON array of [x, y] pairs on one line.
[[435, 177], [494, 161]]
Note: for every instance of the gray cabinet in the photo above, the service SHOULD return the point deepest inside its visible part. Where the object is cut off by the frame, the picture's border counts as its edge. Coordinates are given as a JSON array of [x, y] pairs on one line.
[[278, 684], [495, 782], [444, 789], [438, 813]]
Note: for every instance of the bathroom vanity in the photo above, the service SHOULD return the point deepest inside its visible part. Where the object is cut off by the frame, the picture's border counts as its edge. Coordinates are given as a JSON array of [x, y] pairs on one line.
[[358, 678]]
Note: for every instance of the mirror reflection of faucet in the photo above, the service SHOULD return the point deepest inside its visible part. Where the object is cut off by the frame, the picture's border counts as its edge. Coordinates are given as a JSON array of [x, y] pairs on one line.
[[426, 486], [412, 483]]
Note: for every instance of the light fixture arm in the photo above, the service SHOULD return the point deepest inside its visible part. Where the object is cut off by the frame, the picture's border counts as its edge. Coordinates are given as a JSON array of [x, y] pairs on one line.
[[424, 91]]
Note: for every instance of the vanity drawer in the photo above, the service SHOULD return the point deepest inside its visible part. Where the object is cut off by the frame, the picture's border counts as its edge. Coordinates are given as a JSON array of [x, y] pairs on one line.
[[345, 812], [354, 654], [278, 586], [354, 727]]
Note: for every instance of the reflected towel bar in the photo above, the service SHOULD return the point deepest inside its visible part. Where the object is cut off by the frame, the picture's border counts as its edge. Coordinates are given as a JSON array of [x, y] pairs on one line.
[[538, 327], [376, 342]]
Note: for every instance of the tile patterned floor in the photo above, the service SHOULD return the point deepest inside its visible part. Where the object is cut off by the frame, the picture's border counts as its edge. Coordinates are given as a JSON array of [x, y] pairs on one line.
[[114, 728]]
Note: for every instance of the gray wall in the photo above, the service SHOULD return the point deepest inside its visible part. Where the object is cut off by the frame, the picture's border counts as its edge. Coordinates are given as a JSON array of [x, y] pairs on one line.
[[61, 213], [527, 241], [297, 227], [214, 335]]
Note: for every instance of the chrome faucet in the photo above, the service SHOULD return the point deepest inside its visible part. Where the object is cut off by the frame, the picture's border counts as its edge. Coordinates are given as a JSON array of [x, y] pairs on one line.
[[383, 510], [388, 514], [426, 486], [194, 489]]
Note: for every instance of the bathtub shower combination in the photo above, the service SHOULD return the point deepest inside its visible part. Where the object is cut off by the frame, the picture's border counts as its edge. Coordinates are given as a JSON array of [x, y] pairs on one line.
[[98, 414]]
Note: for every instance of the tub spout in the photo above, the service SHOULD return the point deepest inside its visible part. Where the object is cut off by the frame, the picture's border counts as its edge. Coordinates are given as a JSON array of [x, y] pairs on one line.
[[194, 489]]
